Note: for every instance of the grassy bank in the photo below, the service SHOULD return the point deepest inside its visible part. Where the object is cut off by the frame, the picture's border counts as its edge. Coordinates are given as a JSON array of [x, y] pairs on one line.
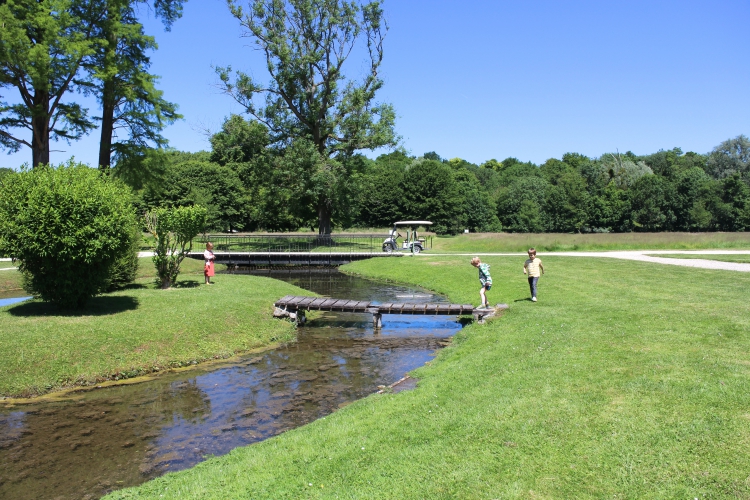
[[546, 242], [137, 330], [614, 385], [10, 280]]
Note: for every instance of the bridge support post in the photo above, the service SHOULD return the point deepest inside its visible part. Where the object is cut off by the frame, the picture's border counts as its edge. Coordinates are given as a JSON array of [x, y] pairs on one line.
[[377, 318]]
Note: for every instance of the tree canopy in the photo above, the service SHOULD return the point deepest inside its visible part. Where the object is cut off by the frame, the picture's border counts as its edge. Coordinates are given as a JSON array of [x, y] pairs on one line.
[[309, 97]]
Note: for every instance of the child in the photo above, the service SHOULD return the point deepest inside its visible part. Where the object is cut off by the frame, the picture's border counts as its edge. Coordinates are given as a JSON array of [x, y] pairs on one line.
[[485, 279], [208, 257], [533, 265]]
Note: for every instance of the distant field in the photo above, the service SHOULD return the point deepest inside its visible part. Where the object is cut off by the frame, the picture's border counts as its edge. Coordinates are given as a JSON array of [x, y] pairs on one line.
[[742, 259], [6, 264], [551, 242]]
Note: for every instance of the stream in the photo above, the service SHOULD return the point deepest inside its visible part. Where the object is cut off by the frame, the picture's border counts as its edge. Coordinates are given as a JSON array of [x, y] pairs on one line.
[[97, 441]]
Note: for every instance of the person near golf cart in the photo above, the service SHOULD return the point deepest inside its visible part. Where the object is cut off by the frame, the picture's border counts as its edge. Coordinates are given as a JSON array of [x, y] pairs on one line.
[[412, 242], [484, 279]]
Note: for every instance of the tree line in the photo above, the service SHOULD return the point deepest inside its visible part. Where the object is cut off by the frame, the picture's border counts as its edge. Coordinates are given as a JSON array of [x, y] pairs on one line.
[[297, 161], [249, 183]]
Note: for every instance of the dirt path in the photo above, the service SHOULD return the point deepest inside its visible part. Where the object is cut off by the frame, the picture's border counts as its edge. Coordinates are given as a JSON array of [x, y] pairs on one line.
[[650, 256]]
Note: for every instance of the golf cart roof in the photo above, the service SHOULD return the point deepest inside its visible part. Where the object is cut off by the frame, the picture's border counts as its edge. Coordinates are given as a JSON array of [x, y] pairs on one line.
[[412, 223]]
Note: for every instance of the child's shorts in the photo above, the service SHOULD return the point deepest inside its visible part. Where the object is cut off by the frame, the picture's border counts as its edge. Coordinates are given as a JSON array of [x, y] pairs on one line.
[[487, 286]]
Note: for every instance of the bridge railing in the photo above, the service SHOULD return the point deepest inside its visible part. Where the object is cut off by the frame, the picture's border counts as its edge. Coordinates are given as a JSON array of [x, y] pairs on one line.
[[296, 242]]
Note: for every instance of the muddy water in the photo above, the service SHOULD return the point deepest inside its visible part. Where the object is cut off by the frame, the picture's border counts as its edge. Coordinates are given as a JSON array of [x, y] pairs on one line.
[[106, 439]]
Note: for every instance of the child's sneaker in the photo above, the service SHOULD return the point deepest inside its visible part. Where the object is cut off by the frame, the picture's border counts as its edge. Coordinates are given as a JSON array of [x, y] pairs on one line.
[[533, 299]]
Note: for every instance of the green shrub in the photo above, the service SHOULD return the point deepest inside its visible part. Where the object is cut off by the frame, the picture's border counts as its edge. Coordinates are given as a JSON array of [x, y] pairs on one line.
[[174, 230], [125, 269], [68, 226]]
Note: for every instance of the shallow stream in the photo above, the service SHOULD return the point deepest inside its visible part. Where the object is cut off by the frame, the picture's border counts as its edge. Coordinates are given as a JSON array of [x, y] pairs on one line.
[[101, 440]]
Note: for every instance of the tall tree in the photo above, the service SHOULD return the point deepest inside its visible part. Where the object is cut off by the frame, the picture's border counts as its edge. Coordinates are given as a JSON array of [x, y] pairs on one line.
[[43, 44], [730, 157], [126, 91], [308, 97]]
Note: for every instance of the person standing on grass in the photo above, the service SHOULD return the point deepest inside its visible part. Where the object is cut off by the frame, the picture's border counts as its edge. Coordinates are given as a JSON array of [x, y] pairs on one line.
[[208, 258], [533, 267], [484, 278]]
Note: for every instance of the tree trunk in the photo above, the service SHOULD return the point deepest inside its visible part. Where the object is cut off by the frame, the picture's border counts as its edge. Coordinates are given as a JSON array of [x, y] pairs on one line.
[[40, 129], [108, 116], [109, 98], [324, 219]]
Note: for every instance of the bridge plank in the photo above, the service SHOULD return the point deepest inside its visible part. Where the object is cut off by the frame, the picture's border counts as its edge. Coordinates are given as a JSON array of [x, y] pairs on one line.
[[340, 304], [306, 302], [328, 303], [385, 308], [362, 305], [315, 304]]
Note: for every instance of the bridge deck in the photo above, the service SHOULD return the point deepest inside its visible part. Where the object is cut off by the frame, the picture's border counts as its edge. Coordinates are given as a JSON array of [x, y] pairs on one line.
[[301, 303]]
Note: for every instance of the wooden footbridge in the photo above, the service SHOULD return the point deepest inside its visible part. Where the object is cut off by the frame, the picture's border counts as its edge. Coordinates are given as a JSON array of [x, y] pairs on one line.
[[294, 307]]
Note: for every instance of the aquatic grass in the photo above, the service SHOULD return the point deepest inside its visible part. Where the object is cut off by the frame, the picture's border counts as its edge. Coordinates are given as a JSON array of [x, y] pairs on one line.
[[136, 331], [558, 242], [616, 383]]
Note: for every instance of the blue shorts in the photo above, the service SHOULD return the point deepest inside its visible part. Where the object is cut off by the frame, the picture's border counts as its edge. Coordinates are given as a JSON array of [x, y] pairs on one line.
[[487, 286]]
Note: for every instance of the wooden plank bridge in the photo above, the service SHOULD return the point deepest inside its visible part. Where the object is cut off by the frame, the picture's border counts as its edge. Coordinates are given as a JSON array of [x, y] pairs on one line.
[[294, 306]]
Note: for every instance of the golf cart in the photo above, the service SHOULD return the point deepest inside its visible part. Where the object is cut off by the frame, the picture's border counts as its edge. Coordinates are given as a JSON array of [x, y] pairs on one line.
[[412, 242]]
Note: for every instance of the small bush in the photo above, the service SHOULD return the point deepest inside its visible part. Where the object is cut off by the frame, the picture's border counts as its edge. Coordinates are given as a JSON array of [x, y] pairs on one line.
[[68, 226]]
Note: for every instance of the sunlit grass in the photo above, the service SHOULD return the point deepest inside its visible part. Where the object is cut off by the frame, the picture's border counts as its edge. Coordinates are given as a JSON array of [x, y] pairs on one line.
[[613, 385], [555, 242], [741, 259], [137, 330]]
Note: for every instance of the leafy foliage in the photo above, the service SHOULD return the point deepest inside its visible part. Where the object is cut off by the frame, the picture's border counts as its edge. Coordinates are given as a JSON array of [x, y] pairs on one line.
[[68, 226], [174, 230], [309, 98]]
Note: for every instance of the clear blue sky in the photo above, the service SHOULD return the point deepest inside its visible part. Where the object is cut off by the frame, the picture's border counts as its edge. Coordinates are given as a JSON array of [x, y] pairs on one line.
[[482, 79]]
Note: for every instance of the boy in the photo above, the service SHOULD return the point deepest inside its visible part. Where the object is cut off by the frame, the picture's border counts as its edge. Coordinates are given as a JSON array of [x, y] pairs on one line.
[[485, 279], [533, 265]]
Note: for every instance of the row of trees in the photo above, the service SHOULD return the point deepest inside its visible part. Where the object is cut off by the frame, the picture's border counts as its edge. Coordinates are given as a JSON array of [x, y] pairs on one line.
[[249, 183]]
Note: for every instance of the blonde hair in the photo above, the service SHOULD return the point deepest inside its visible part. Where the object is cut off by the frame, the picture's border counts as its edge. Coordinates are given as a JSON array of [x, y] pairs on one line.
[[475, 261], [209, 245]]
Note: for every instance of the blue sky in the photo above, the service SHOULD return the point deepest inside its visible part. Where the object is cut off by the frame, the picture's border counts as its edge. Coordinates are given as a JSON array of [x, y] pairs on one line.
[[481, 79]]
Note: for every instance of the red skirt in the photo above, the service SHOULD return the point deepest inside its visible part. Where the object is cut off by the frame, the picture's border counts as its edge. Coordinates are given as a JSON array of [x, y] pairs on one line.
[[208, 269]]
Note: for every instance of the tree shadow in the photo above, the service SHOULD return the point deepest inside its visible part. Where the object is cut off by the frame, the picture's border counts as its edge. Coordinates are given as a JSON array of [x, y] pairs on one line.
[[187, 284], [97, 306], [527, 299], [133, 286]]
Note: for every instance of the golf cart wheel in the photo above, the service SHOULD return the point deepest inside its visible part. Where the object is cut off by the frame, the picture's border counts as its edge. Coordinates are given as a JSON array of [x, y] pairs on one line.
[[416, 249], [387, 248]]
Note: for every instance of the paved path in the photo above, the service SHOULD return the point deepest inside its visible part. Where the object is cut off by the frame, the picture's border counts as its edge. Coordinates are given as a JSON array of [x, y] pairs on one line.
[[641, 255], [650, 256]]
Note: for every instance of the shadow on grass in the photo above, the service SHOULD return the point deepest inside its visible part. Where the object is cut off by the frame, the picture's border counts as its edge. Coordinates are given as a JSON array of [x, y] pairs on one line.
[[187, 284], [98, 306]]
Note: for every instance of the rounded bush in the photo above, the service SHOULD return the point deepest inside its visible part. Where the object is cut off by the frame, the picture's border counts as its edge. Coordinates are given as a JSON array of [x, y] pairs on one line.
[[68, 226]]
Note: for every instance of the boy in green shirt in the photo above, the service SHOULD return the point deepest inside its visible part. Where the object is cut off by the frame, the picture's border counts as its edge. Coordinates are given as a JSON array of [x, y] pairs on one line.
[[485, 279]]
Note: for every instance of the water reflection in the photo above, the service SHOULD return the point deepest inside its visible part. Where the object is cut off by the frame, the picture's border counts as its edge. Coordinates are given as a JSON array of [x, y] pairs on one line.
[[116, 437]]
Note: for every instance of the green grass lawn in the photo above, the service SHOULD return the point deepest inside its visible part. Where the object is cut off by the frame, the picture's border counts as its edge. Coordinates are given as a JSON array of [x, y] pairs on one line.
[[616, 384], [137, 330], [4, 264], [555, 242], [10, 280], [723, 258]]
